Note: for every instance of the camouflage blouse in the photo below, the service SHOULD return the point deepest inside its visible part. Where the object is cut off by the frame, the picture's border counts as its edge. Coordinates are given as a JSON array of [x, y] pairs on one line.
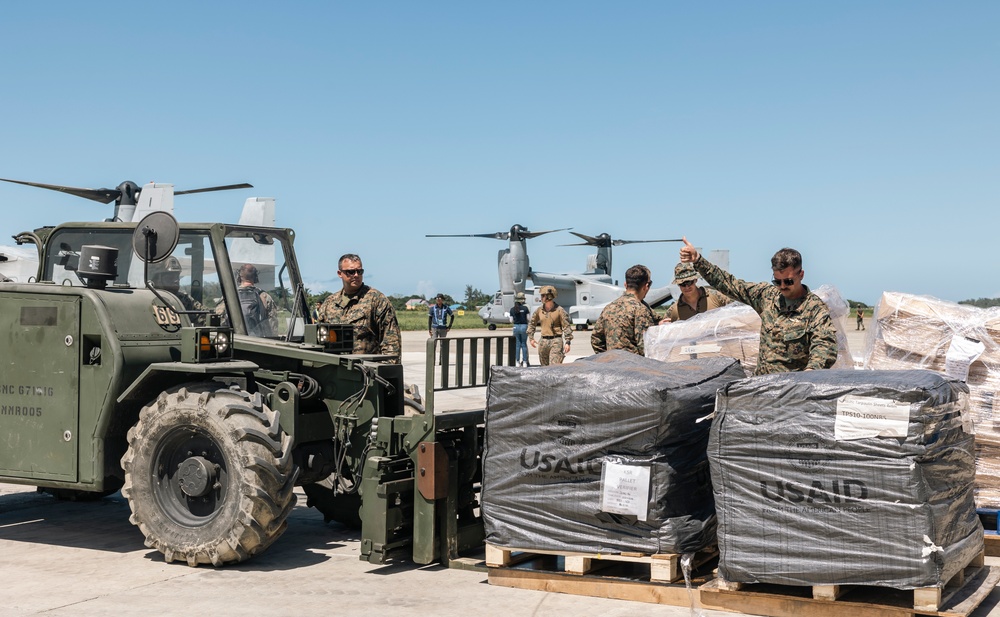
[[376, 330], [622, 325], [794, 334]]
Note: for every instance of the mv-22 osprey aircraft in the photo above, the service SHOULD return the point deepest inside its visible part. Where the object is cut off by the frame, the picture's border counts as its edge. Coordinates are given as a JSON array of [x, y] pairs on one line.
[[583, 295], [132, 203]]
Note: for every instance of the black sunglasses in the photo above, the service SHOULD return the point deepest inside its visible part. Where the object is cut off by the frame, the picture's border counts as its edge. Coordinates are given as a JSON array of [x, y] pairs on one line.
[[353, 272], [685, 283], [785, 282]]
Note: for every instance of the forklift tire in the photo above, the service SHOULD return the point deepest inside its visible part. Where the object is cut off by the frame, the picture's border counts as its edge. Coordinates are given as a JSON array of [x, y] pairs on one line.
[[209, 475], [333, 503], [491, 327]]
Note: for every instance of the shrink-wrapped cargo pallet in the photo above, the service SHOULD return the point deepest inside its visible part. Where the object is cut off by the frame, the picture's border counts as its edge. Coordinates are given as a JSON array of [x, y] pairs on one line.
[[844, 478], [602, 455], [733, 331], [909, 331]]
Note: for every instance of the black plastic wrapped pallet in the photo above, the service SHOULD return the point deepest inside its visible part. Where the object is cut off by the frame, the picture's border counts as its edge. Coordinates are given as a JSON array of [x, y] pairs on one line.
[[797, 506], [550, 431]]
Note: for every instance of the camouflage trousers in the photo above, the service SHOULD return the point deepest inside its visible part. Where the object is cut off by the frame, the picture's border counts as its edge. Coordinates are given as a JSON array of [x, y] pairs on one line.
[[550, 351]]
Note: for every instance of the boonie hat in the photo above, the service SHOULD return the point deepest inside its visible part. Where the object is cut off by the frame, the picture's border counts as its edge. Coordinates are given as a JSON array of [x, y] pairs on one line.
[[519, 296], [685, 272], [549, 291]]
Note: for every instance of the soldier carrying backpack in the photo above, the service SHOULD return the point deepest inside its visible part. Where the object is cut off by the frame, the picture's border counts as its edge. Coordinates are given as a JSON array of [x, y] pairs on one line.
[[259, 310]]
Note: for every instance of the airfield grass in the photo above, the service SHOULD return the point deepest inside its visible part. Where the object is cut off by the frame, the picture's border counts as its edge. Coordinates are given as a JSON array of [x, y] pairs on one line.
[[417, 320]]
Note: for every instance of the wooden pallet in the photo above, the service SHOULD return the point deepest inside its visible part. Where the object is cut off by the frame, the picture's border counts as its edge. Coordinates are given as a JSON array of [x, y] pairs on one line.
[[663, 567], [958, 599], [627, 578], [992, 542]]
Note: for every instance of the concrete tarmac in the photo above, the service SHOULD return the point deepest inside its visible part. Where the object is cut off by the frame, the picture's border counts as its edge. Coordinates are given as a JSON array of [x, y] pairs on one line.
[[85, 559]]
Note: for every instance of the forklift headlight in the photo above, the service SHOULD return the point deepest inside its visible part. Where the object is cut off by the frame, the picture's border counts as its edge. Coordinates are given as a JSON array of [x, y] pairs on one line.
[[221, 342], [332, 337], [206, 344]]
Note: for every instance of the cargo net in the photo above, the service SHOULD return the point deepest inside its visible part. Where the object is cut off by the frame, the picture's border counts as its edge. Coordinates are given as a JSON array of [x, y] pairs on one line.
[[963, 342], [733, 331]]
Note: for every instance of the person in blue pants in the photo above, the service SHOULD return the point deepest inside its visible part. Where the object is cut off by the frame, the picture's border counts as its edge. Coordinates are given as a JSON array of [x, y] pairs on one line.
[[519, 315]]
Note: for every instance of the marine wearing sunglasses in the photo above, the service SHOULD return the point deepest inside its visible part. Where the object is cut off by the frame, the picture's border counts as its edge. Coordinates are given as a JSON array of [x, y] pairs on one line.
[[796, 331]]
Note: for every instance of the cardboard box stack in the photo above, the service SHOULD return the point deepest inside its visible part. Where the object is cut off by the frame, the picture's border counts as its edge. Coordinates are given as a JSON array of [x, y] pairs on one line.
[[910, 331]]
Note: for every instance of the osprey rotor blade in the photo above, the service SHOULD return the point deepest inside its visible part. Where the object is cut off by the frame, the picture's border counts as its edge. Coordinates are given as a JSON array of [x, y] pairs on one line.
[[587, 240], [105, 196], [534, 234], [500, 235], [227, 187], [621, 242]]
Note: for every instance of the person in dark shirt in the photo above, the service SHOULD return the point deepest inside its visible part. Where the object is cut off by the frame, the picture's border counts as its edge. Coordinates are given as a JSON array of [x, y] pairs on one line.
[[519, 315]]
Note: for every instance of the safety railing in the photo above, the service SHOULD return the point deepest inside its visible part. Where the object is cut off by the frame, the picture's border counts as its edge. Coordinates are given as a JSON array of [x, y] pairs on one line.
[[459, 362]]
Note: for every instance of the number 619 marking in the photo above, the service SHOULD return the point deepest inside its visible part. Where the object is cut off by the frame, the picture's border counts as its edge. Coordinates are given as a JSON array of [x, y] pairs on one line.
[[166, 316]]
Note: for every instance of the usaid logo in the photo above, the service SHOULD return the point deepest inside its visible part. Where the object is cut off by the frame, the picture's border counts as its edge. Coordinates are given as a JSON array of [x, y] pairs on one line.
[[562, 430], [808, 452], [536, 460], [819, 491]]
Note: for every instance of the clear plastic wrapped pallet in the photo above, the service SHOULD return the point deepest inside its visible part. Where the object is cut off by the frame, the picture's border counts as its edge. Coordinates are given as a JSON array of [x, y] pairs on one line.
[[731, 331], [911, 331], [844, 477]]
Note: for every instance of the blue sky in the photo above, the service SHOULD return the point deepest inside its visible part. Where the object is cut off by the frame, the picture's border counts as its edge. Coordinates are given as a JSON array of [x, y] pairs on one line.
[[867, 135]]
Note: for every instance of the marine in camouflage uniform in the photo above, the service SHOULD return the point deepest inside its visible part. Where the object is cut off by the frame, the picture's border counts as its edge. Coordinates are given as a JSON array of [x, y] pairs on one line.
[[624, 321], [264, 321], [376, 330], [693, 299], [796, 332], [190, 304], [269, 312], [556, 328], [167, 277]]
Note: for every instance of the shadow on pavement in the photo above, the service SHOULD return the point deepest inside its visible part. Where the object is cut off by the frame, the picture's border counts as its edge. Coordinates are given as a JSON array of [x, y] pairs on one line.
[[103, 525]]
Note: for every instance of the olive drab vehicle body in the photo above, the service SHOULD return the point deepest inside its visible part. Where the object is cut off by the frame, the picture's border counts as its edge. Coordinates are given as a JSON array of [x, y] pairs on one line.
[[128, 365]]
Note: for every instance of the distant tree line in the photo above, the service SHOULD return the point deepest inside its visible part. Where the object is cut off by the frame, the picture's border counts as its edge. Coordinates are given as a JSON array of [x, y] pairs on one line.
[[474, 298], [982, 302], [399, 302], [978, 302]]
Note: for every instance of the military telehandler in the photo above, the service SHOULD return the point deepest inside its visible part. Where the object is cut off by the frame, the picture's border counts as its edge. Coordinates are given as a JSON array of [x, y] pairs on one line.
[[130, 364]]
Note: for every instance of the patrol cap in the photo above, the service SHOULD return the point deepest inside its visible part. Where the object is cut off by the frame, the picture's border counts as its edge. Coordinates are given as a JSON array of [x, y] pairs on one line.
[[685, 272], [519, 296], [548, 291], [167, 273], [170, 264]]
